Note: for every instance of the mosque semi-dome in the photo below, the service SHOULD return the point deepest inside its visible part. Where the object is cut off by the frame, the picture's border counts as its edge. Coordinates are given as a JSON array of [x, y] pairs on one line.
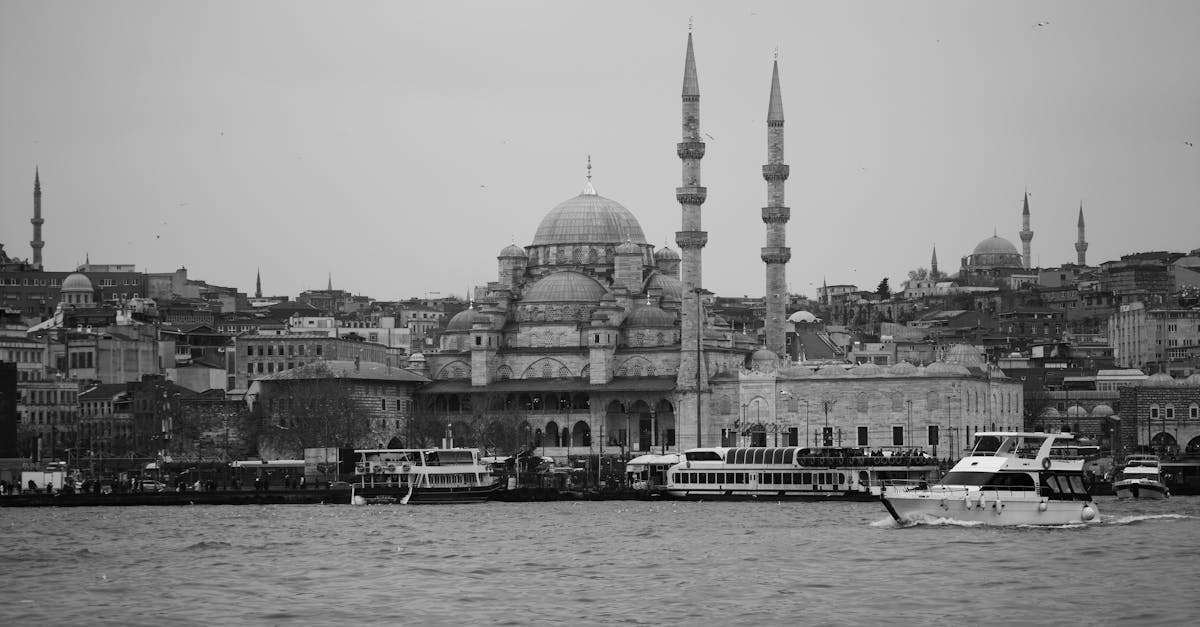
[[565, 286], [1159, 380], [666, 253], [461, 321], [671, 287], [649, 316], [512, 250]]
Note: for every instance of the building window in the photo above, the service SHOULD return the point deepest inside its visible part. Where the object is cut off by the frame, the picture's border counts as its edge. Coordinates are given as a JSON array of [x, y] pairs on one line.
[[862, 437], [933, 435], [1170, 411], [1153, 412], [897, 436]]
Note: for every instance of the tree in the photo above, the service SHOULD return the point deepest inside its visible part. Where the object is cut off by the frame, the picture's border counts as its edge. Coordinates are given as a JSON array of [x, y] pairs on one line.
[[314, 412], [884, 290], [920, 274]]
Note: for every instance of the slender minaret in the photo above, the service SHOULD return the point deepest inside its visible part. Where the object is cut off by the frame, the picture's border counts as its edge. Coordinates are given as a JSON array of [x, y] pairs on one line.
[[775, 215], [37, 220], [691, 240], [1026, 234], [1081, 244], [933, 273], [258, 284]]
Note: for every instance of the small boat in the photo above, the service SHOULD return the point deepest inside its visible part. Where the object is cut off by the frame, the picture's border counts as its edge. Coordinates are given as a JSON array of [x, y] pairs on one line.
[[1009, 478], [722, 473], [1141, 478], [414, 476]]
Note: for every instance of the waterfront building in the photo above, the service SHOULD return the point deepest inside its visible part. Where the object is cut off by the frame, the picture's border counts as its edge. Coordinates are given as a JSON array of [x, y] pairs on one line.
[[259, 355], [1161, 415]]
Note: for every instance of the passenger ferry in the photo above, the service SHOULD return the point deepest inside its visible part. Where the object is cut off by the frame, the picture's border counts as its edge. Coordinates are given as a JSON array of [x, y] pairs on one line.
[[722, 473], [1009, 478], [1141, 478], [428, 475]]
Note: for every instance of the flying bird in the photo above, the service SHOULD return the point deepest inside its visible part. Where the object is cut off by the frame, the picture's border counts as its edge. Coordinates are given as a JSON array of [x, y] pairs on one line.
[[1188, 143], [1046, 23]]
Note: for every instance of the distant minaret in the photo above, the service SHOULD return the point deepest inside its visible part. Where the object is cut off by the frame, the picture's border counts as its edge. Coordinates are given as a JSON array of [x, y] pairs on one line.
[[933, 273], [775, 215], [1026, 234], [691, 239], [329, 286], [37, 220], [258, 284], [1081, 245]]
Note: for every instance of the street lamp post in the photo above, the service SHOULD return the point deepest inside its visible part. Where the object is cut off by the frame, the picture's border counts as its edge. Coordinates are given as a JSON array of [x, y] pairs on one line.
[[699, 337], [783, 395], [806, 422], [826, 438]]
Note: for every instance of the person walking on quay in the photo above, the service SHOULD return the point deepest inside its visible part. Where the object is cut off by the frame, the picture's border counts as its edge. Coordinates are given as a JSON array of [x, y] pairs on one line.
[[301, 482]]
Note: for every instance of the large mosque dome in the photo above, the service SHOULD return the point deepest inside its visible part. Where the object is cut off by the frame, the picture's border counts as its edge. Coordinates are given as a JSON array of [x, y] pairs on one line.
[[995, 252], [563, 287], [589, 219]]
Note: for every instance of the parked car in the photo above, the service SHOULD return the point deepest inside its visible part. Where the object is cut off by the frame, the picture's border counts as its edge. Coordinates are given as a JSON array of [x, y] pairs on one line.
[[150, 485]]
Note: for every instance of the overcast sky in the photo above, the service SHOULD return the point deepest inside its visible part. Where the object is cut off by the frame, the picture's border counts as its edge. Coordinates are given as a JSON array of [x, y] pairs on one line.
[[398, 146]]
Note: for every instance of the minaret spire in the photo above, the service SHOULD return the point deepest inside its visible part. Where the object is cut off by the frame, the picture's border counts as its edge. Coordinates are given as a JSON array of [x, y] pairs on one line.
[[1026, 234], [36, 244], [775, 254], [258, 283], [933, 273], [1081, 244], [692, 373], [329, 286]]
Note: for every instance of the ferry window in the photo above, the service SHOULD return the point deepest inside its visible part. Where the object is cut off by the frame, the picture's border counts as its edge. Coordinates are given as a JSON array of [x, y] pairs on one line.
[[806, 477], [1077, 484], [739, 456], [741, 478], [841, 478], [966, 478], [778, 458]]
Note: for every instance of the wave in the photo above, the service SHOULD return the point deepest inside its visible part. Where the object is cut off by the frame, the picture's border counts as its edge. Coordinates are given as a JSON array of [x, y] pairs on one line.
[[1138, 518]]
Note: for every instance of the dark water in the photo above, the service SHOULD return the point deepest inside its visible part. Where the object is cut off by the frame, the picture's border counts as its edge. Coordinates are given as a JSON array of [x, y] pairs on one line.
[[582, 563]]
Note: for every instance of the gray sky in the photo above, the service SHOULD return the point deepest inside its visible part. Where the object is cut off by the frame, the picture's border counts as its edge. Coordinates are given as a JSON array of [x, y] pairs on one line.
[[400, 145]]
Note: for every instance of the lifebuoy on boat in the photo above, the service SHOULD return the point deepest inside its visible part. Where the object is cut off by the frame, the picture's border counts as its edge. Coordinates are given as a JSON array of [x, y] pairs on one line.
[[1045, 463], [391, 468], [406, 467]]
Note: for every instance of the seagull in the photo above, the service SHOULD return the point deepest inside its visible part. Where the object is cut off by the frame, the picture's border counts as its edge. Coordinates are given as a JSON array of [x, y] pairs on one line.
[[1046, 23], [710, 137], [1188, 143]]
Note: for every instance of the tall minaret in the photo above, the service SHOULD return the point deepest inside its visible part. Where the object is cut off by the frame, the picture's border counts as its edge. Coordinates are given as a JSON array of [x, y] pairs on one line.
[[1081, 244], [37, 220], [692, 375], [258, 284], [933, 273], [775, 215], [1026, 234]]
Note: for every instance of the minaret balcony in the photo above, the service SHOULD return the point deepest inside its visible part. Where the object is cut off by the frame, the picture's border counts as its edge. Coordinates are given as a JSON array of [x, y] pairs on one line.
[[691, 239], [691, 195], [690, 150], [776, 254], [776, 215], [776, 171]]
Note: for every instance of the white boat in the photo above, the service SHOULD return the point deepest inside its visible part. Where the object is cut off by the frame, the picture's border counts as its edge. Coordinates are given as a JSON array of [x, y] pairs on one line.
[[426, 475], [1009, 478], [722, 473], [1141, 478]]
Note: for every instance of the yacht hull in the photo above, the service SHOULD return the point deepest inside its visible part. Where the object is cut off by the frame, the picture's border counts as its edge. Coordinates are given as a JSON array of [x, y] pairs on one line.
[[1140, 489], [912, 507]]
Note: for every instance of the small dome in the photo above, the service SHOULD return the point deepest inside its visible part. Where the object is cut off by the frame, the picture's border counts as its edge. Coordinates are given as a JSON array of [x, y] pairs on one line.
[[995, 245], [76, 282], [565, 286], [670, 286], [1159, 380], [903, 369], [941, 368], [666, 254], [803, 316], [649, 316], [1192, 381], [461, 321], [1049, 412], [763, 355], [964, 354], [417, 358], [830, 370], [1102, 411], [868, 370], [797, 372], [512, 250], [1077, 411]]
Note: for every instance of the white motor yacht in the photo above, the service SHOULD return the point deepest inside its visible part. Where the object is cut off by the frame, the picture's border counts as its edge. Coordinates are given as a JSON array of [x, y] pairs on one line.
[[1141, 478], [1009, 478]]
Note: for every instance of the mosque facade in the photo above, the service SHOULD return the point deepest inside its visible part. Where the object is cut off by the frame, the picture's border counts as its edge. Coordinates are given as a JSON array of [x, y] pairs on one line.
[[592, 340]]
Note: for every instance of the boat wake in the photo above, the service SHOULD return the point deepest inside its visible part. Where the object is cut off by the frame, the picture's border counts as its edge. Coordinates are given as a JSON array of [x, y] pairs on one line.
[[1137, 518], [926, 521]]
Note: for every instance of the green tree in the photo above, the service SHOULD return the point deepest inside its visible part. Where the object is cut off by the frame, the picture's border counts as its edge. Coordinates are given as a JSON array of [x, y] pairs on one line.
[[884, 290], [314, 412]]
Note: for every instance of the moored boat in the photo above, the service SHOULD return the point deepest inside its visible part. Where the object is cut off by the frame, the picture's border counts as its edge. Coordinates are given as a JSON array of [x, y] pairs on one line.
[[722, 473], [412, 476], [1141, 478], [1009, 478]]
